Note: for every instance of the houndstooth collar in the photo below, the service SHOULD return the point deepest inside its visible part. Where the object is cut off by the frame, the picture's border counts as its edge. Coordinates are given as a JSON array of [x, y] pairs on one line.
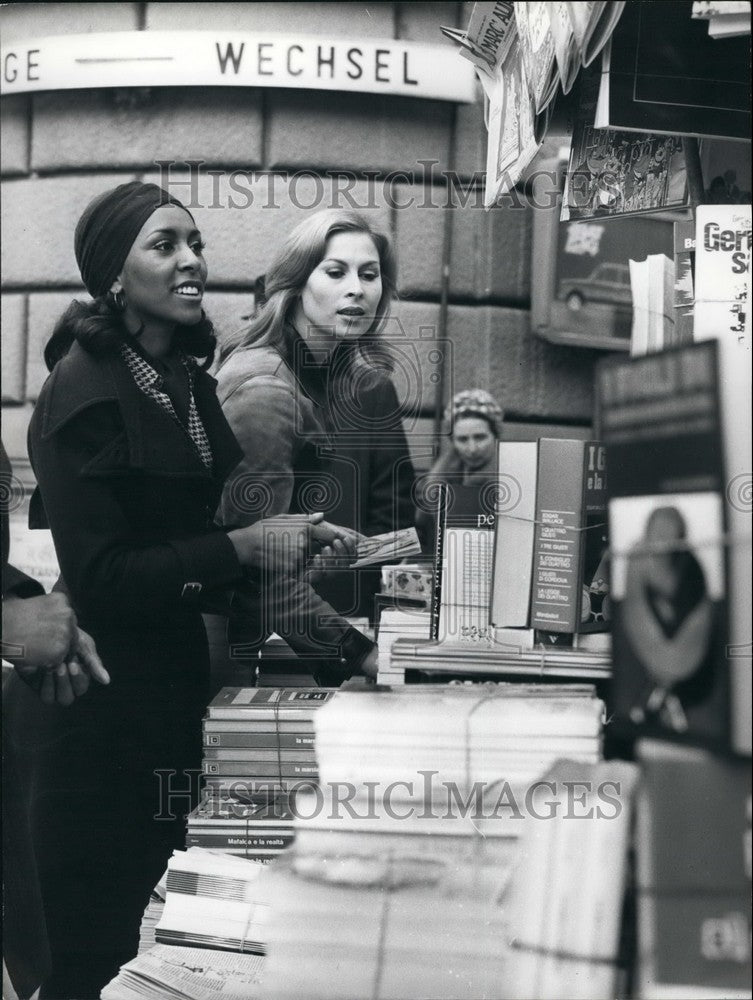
[[149, 381]]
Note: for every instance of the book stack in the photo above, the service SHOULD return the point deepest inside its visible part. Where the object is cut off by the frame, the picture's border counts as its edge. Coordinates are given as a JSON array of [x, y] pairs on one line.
[[259, 741], [405, 852], [257, 831]]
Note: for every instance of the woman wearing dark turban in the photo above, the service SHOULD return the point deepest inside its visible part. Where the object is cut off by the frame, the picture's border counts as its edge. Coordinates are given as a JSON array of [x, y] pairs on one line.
[[130, 450]]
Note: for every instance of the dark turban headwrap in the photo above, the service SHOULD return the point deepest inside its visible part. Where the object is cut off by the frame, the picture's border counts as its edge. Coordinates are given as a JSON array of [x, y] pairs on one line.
[[108, 227]]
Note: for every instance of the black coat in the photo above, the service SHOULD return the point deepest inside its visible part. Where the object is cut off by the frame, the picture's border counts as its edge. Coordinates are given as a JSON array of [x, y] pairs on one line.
[[130, 505]]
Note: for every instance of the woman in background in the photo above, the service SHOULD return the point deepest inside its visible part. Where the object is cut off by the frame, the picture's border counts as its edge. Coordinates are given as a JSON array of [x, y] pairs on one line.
[[474, 419], [305, 388], [130, 450]]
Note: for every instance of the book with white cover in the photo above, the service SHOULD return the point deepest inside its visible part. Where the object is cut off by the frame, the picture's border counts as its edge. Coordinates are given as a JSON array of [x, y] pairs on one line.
[[514, 534]]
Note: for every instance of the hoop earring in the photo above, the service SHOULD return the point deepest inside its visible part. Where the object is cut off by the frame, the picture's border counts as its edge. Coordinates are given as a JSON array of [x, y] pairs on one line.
[[117, 300]]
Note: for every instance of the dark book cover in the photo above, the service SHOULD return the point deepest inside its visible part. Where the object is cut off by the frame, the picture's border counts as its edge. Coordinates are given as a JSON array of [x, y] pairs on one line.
[[659, 416], [569, 567], [693, 844], [666, 74]]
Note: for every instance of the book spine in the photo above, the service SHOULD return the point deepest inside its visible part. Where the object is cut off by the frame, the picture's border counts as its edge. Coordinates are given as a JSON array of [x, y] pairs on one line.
[[436, 597], [260, 754], [514, 534], [555, 601], [260, 769], [238, 842], [286, 741]]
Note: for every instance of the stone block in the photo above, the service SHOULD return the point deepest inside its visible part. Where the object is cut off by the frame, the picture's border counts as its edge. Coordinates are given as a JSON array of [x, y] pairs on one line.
[[44, 311], [13, 344], [422, 355], [419, 237], [27, 21], [490, 256], [491, 253], [39, 216], [532, 378], [326, 19], [245, 217], [123, 129], [356, 131], [14, 120], [470, 138]]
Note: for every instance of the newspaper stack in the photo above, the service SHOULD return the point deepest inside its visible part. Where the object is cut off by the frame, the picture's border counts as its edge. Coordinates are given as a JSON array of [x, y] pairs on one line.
[[187, 974], [152, 916]]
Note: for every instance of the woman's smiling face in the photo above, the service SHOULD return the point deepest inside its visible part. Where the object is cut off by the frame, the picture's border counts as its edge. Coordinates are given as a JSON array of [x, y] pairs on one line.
[[342, 294], [164, 274]]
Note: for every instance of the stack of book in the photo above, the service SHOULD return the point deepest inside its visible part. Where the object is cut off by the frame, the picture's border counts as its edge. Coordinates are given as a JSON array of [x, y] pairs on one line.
[[415, 865], [259, 741], [257, 831]]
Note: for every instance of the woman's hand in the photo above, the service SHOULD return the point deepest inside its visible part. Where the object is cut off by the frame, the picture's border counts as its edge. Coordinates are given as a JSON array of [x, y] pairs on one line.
[[340, 554], [284, 543]]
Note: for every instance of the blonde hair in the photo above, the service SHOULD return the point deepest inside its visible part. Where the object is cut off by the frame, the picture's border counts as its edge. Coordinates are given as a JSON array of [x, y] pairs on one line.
[[286, 277]]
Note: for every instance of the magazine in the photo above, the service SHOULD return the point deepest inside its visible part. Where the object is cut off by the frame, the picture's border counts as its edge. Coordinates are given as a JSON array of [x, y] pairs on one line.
[[614, 173]]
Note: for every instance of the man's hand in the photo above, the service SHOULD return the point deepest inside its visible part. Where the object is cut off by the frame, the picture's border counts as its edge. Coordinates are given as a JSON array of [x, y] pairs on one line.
[[284, 543], [38, 631], [70, 680], [49, 651]]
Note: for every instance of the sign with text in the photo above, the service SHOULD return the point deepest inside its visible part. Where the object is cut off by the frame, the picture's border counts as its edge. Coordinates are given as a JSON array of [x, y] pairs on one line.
[[236, 59]]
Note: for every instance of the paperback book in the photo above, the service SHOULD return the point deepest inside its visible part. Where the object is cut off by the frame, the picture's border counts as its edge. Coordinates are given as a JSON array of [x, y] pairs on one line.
[[659, 417], [570, 580]]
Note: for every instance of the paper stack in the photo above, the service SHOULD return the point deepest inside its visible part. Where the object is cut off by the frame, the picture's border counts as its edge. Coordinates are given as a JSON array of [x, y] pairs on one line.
[[505, 656], [461, 734], [187, 974], [566, 894], [396, 624], [396, 886], [213, 901], [152, 916]]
